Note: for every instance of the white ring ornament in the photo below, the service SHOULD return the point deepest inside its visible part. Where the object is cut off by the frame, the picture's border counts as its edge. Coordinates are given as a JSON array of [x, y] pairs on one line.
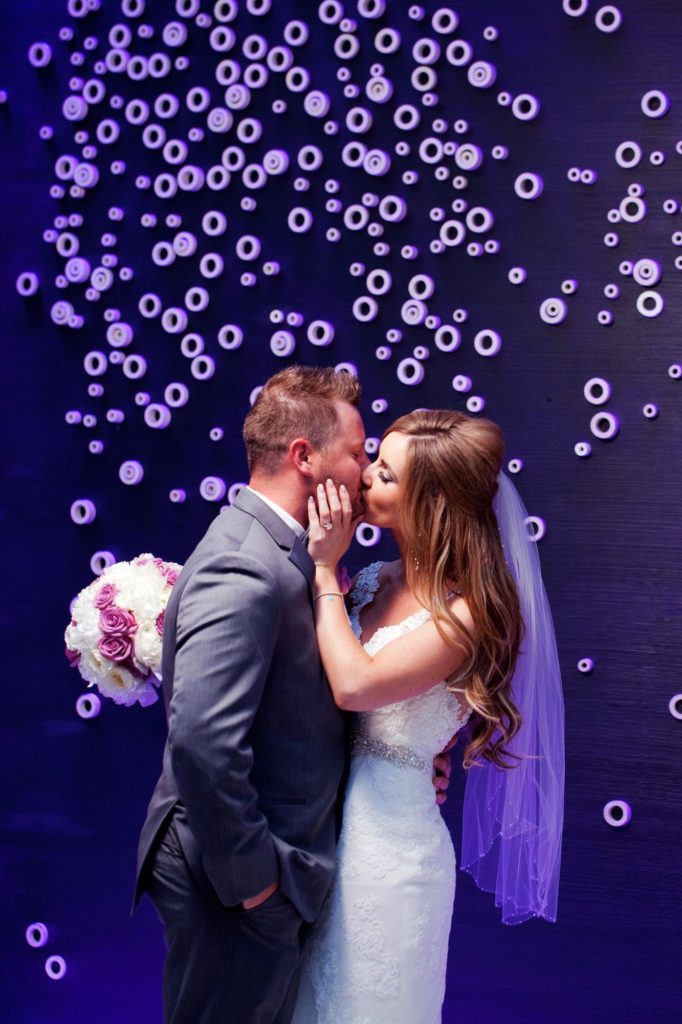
[[597, 391], [379, 281], [176, 394], [300, 220], [444, 21], [655, 103], [203, 367], [459, 53], [528, 185], [212, 488], [367, 536], [230, 336], [475, 403], [413, 312], [392, 209], [83, 511], [174, 320], [184, 244], [604, 425], [376, 162], [461, 383], [88, 706], [320, 333], [37, 934], [365, 308], [650, 304], [468, 157], [632, 209], [481, 74], [27, 284], [525, 107], [452, 233], [536, 527], [553, 311], [410, 372], [421, 286], [282, 343], [426, 51], [447, 338], [55, 967], [487, 342], [617, 813], [95, 364], [479, 219], [608, 18], [131, 472], [61, 312], [628, 154], [647, 271]]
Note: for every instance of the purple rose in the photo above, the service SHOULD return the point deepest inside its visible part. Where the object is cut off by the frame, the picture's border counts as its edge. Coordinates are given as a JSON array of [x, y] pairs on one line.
[[172, 577], [159, 622], [73, 656], [116, 647], [106, 595], [117, 620]]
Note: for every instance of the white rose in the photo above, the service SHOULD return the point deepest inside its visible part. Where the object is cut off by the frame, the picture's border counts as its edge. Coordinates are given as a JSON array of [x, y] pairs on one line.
[[118, 684], [148, 646], [93, 667]]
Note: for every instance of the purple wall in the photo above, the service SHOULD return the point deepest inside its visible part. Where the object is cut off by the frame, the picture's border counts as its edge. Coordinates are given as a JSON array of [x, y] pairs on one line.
[[75, 791]]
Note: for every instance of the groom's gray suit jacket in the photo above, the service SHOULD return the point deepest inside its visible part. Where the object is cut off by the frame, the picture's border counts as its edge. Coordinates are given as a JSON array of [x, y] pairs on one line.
[[255, 752]]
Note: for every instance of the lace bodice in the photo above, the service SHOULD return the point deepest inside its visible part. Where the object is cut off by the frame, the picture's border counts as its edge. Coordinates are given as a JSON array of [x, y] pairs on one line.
[[421, 725]]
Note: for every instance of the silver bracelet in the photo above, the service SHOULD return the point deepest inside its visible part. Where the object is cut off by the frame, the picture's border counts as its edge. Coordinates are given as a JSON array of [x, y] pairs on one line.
[[328, 593]]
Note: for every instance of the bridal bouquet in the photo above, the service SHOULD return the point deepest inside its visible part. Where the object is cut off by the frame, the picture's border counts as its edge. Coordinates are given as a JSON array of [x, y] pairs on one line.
[[114, 637]]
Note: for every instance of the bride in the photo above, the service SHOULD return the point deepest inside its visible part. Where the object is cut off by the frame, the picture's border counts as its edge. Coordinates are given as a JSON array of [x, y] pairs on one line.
[[431, 645]]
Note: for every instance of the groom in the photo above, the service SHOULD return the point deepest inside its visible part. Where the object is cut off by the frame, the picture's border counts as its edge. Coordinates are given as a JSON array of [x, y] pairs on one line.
[[238, 848]]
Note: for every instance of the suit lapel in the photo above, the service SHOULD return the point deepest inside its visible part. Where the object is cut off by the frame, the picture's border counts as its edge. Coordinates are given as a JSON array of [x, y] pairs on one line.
[[302, 560], [282, 534]]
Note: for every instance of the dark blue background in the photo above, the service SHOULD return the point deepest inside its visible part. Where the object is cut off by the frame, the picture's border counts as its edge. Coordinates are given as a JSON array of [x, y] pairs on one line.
[[74, 792]]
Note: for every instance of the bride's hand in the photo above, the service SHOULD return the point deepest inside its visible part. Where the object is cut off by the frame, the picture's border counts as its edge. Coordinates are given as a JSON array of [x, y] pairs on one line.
[[331, 525]]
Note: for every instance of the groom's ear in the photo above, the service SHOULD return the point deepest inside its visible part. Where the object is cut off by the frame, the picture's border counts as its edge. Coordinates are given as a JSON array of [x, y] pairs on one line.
[[302, 455]]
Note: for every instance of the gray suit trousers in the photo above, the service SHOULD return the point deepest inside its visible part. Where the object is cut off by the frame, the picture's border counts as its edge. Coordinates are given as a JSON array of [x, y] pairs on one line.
[[224, 965]]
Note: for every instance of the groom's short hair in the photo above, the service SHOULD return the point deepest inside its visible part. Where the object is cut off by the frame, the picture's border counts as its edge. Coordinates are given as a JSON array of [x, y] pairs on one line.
[[296, 402]]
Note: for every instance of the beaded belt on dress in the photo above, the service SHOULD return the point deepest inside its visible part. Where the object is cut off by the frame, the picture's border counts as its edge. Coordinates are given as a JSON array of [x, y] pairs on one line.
[[362, 743]]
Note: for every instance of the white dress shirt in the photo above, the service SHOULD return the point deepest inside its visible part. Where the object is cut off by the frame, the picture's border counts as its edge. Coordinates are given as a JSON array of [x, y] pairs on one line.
[[294, 524]]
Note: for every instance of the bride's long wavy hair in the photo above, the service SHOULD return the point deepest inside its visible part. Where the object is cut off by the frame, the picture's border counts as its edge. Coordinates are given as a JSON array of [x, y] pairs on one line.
[[448, 525]]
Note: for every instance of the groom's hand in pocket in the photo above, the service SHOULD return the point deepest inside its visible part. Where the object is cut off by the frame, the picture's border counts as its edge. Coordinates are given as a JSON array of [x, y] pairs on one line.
[[255, 901]]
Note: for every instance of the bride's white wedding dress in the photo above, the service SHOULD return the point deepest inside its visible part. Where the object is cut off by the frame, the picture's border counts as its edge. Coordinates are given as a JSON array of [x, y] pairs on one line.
[[378, 952]]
